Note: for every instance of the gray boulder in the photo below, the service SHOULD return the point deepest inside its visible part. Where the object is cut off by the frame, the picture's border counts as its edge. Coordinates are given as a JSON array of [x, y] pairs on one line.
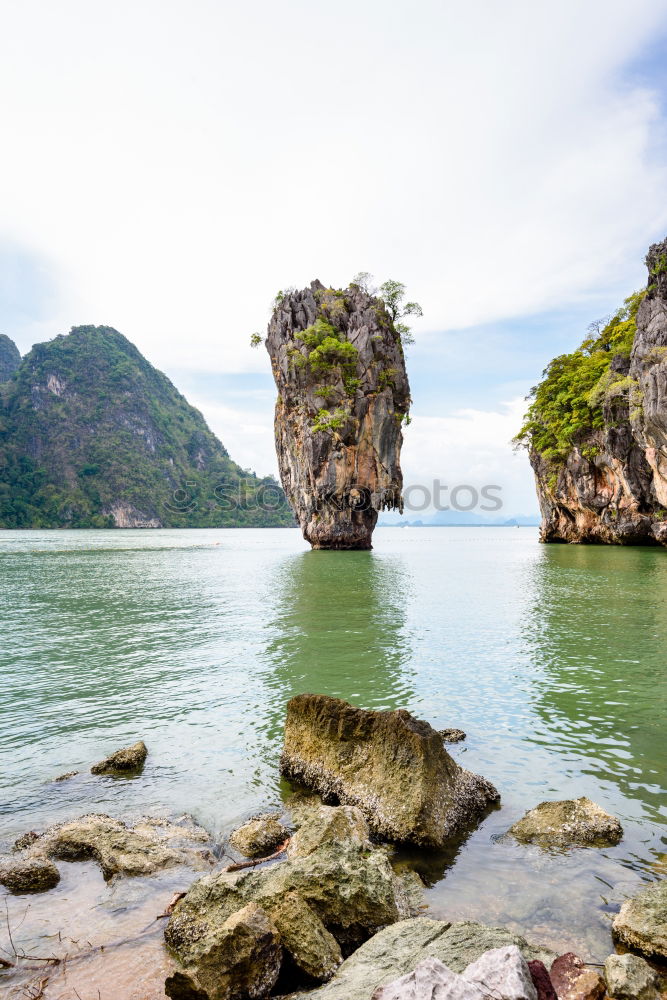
[[629, 977], [392, 766], [23, 874], [567, 823], [501, 974], [259, 836], [397, 950], [128, 759], [239, 960], [641, 923]]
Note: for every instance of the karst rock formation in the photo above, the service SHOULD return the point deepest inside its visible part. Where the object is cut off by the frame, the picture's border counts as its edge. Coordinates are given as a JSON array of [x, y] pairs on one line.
[[343, 395], [612, 485]]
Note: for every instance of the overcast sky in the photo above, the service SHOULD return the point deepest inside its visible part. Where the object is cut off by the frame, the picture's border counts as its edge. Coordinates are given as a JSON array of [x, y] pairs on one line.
[[168, 166]]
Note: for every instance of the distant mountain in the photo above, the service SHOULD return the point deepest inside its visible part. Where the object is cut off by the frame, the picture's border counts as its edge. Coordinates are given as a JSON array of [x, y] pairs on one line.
[[91, 435], [458, 519], [10, 358]]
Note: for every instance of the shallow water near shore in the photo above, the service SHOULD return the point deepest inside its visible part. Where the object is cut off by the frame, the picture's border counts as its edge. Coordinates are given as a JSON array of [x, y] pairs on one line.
[[551, 658]]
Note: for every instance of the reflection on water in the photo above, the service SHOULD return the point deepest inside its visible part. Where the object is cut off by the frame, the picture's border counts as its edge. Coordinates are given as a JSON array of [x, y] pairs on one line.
[[339, 630], [598, 633], [550, 658]]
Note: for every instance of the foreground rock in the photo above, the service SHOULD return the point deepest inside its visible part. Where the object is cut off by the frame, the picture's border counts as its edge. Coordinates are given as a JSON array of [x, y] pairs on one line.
[[239, 959], [642, 922], [572, 980], [389, 764], [331, 892], [259, 837], [629, 977], [501, 973], [121, 850], [128, 759], [397, 950], [343, 392], [568, 823], [23, 875]]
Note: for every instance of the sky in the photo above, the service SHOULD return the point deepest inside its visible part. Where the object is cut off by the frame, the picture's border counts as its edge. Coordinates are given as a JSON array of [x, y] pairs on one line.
[[167, 167]]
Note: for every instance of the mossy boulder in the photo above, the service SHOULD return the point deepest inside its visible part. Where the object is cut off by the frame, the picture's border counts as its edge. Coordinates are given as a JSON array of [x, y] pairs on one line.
[[238, 960], [121, 761], [391, 765], [328, 896], [629, 977], [568, 823], [27, 875], [120, 849], [259, 836], [641, 923]]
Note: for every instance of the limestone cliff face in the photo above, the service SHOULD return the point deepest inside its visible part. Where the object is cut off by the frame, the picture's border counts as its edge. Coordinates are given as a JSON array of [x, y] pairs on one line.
[[612, 486], [343, 395]]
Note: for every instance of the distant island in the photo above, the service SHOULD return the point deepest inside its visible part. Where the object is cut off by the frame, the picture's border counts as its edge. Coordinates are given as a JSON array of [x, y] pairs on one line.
[[93, 436]]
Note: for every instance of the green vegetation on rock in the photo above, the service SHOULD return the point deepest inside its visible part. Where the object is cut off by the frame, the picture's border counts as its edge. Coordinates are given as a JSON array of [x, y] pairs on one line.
[[568, 403], [10, 358], [92, 436]]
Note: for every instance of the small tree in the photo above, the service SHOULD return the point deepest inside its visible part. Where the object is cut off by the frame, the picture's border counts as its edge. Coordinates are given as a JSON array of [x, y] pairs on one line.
[[255, 339], [392, 294]]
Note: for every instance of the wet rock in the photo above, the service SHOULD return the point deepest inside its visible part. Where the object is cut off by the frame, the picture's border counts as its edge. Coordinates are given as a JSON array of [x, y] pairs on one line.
[[66, 776], [239, 960], [642, 921], [335, 894], [343, 392], [541, 980], [23, 875], [573, 981], [329, 825], [452, 735], [25, 840], [314, 951], [128, 759], [117, 848], [568, 823], [259, 837], [629, 977], [389, 764], [397, 950]]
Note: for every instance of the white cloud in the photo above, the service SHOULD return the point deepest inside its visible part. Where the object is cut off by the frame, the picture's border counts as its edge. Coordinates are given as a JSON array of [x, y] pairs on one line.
[[180, 162], [472, 447]]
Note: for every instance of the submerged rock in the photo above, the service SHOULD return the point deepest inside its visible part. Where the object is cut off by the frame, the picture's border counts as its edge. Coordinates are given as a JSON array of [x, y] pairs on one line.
[[343, 393], [23, 875], [66, 776], [642, 921], [629, 977], [573, 981], [259, 836], [117, 848], [397, 950], [239, 960], [571, 822], [389, 764], [128, 759], [329, 894], [452, 735]]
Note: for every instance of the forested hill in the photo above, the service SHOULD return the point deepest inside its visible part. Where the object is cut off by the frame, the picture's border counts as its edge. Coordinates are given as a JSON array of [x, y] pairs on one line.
[[91, 435]]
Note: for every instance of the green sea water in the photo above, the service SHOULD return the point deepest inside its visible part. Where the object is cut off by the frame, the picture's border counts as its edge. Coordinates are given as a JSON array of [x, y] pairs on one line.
[[551, 658]]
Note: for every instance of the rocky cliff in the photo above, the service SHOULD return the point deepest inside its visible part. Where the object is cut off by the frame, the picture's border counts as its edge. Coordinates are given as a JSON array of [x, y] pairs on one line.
[[597, 426], [91, 435], [10, 358], [343, 396]]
